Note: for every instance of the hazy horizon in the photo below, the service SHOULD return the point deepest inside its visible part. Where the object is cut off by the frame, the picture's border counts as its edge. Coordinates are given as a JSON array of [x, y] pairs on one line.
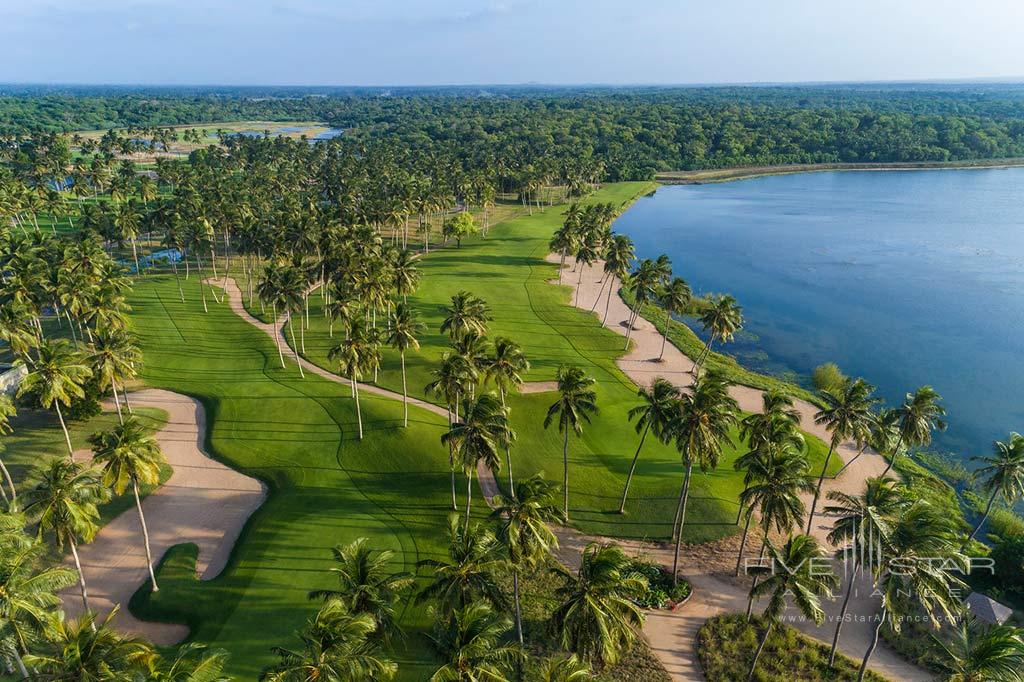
[[418, 43]]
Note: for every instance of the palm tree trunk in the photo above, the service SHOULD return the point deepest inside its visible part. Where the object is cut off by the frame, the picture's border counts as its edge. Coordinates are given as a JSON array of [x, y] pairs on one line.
[[302, 335], [202, 291], [405, 394], [871, 648], [895, 454], [508, 449], [561, 266], [469, 493], [743, 541], [127, 403], [64, 427], [10, 484], [135, 255], [22, 670], [631, 321], [842, 614], [277, 337], [145, 535], [664, 335], [817, 490], [359, 413], [680, 520], [451, 464], [177, 280], [632, 467], [579, 285], [760, 648], [565, 474], [117, 402], [750, 599], [600, 292], [608, 300], [984, 517], [81, 578]]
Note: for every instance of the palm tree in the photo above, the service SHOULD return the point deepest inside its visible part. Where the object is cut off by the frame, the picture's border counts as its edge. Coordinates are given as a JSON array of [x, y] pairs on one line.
[[586, 253], [701, 431], [563, 241], [917, 417], [466, 313], [477, 438], [505, 368], [674, 298], [976, 652], [291, 293], [597, 615], [192, 662], [58, 376], [366, 585], [6, 412], [336, 647], [859, 520], [570, 669], [450, 381], [644, 284], [618, 257], [28, 595], [1004, 475], [722, 318], [577, 401], [656, 412], [523, 530], [63, 503], [472, 642], [847, 414], [401, 336], [114, 360], [357, 354], [130, 456], [797, 572], [85, 649], [468, 575], [911, 570]]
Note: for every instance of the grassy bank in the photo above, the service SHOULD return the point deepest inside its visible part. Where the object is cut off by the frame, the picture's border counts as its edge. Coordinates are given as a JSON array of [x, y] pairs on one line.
[[696, 177]]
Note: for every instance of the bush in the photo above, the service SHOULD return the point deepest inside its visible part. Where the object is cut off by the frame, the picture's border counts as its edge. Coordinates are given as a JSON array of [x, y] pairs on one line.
[[726, 646], [828, 377], [660, 592]]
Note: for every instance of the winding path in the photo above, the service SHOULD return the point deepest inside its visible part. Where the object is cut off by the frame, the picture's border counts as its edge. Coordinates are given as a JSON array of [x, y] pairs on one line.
[[204, 502]]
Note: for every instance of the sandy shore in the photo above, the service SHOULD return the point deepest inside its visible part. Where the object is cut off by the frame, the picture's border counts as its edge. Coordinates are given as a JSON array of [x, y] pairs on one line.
[[203, 502]]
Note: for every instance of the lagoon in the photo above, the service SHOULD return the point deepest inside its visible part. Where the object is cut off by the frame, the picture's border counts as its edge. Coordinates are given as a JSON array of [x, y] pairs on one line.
[[902, 277]]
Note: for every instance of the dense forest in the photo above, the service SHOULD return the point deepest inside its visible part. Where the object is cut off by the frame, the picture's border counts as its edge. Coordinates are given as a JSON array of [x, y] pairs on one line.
[[630, 133]]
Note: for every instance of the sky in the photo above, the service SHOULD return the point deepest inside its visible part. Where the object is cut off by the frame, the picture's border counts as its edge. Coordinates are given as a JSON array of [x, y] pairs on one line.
[[424, 42]]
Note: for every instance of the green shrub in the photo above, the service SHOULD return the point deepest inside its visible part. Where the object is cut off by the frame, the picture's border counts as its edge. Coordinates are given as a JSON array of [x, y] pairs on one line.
[[660, 592], [726, 646], [828, 377]]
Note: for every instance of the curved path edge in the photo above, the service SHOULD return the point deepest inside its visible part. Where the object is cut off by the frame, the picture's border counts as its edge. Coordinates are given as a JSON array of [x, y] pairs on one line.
[[204, 502]]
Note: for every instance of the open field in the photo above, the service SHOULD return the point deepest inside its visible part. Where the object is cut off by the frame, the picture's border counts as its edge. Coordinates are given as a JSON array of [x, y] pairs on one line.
[[508, 270]]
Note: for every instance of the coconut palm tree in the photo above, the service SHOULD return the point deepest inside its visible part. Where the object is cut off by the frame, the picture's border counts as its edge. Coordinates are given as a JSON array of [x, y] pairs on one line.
[[336, 646], [618, 258], [192, 662], [401, 335], [976, 652], [798, 574], [85, 649], [577, 401], [477, 438], [1003, 473], [472, 642], [912, 572], [6, 412], [451, 378], [597, 615], [357, 354], [655, 414], [28, 595], [366, 584], [562, 242], [721, 319], [291, 294], [505, 368], [859, 520], [129, 456], [63, 504], [466, 313], [586, 253], [115, 358], [570, 669], [847, 414], [468, 575], [701, 431], [674, 298], [523, 531], [643, 283], [57, 376], [917, 417]]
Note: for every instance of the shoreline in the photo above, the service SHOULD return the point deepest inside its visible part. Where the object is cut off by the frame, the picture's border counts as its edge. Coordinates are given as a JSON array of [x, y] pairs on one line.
[[718, 175]]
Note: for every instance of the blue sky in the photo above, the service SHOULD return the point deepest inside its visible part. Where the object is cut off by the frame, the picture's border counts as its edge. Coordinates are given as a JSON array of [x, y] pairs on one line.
[[398, 42]]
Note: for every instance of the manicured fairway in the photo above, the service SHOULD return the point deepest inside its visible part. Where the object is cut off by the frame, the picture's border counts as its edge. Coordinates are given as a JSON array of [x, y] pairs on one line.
[[508, 270], [326, 487]]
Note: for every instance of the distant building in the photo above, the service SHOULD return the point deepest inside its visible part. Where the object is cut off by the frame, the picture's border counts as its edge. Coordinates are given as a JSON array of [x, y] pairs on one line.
[[987, 610]]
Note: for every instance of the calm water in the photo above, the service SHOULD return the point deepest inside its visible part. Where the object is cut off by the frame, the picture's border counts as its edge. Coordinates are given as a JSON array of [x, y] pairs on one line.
[[904, 278]]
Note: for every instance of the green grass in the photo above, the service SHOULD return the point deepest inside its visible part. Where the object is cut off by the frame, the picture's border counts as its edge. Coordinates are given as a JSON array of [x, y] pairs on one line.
[[726, 646], [325, 487], [38, 438], [508, 270]]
